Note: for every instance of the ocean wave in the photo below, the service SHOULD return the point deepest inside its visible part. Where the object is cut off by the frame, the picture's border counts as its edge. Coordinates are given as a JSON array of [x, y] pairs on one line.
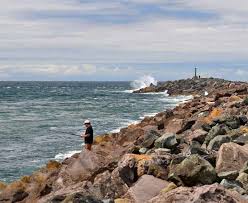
[[62, 156], [143, 82], [148, 115], [128, 91], [177, 99], [165, 93]]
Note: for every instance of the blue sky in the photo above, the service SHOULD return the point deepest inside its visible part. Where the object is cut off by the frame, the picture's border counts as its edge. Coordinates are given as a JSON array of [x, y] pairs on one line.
[[123, 40]]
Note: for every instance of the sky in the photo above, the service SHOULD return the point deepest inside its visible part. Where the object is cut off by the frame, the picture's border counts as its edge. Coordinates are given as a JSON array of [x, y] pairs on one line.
[[123, 39]]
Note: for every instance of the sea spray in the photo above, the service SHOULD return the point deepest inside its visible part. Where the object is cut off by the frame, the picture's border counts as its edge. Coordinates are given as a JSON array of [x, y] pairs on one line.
[[143, 82]]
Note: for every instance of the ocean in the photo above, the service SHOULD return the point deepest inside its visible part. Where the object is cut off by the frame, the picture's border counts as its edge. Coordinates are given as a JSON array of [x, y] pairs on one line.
[[42, 121]]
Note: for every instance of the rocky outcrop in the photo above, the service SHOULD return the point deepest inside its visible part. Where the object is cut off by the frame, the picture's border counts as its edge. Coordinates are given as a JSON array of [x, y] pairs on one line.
[[231, 157], [145, 189], [174, 156], [197, 86], [205, 194], [193, 170]]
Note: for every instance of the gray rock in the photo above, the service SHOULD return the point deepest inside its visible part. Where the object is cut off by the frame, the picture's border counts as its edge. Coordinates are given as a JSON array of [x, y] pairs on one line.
[[195, 148], [149, 138], [230, 175], [194, 170], [216, 142], [166, 141], [242, 139], [206, 127], [219, 129], [233, 123], [143, 150], [243, 179], [243, 120], [228, 184]]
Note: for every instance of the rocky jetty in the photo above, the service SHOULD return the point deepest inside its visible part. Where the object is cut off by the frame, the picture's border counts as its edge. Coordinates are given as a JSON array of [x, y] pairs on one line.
[[196, 152], [200, 86]]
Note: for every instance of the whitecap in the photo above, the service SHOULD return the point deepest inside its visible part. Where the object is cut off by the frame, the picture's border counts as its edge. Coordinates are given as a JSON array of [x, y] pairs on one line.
[[35, 161], [143, 82], [128, 91], [147, 115], [165, 93], [62, 156]]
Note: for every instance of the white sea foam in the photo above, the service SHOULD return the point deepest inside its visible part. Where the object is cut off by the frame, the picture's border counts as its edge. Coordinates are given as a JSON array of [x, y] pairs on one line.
[[165, 93], [128, 91], [147, 115], [62, 156], [34, 161], [143, 82]]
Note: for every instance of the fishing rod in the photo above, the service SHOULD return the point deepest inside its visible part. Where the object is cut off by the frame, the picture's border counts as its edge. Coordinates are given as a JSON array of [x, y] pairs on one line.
[[67, 133]]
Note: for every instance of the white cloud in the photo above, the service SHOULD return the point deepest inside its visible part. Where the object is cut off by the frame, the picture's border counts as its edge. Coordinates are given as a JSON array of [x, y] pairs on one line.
[[154, 38]]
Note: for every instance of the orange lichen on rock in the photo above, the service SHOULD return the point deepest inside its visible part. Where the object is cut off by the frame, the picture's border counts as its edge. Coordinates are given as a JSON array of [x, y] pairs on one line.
[[17, 185], [39, 178], [26, 179], [215, 113], [2, 186], [139, 157], [234, 98], [53, 165], [101, 139], [244, 129]]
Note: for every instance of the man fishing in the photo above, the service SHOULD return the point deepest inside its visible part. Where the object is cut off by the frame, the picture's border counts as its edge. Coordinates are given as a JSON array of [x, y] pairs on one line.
[[88, 135]]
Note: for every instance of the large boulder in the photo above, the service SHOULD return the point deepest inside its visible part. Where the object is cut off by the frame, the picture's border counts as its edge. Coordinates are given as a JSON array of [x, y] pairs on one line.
[[221, 129], [198, 135], [168, 140], [175, 125], [83, 167], [216, 142], [194, 170], [149, 138], [231, 157], [204, 194], [145, 189], [131, 166]]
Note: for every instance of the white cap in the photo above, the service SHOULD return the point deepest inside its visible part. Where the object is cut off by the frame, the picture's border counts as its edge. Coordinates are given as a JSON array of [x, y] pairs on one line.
[[86, 122]]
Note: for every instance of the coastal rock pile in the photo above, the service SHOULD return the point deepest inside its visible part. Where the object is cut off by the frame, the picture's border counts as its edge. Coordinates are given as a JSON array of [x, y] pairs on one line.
[[200, 86], [197, 152]]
